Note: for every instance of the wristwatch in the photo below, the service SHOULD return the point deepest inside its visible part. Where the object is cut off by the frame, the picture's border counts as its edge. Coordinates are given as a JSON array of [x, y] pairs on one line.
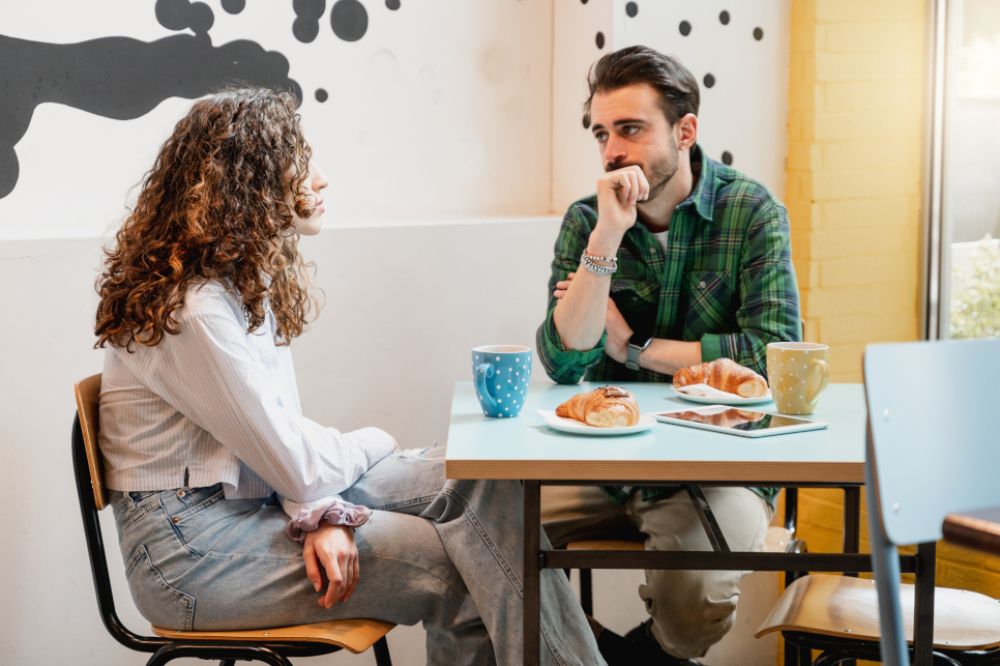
[[636, 345]]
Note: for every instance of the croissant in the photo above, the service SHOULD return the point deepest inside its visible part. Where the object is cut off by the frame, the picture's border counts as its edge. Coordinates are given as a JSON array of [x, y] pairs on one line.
[[604, 407], [724, 374]]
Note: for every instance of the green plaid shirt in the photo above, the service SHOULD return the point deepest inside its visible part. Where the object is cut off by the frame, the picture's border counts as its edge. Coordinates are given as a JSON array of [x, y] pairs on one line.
[[725, 280]]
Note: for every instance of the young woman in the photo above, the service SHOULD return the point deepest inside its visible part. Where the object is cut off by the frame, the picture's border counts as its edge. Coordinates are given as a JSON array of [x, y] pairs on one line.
[[233, 509]]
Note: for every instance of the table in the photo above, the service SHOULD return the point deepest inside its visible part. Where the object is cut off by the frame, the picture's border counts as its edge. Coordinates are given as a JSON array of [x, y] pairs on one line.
[[974, 529], [526, 449]]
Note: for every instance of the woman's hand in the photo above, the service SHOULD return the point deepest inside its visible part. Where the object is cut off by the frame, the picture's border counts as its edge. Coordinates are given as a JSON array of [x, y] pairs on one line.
[[331, 550]]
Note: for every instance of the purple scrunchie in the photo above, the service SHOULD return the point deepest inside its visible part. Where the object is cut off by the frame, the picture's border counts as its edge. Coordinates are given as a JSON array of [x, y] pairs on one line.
[[338, 513]]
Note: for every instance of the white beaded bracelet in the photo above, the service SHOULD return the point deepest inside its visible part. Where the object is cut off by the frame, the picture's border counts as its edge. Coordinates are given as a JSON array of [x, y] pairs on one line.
[[599, 266]]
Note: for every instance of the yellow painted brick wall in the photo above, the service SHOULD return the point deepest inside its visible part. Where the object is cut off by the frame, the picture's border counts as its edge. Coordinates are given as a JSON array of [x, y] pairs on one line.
[[856, 98], [853, 189]]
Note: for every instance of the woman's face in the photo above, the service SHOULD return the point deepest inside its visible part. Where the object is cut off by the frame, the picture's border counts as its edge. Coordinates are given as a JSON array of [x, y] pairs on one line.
[[310, 191]]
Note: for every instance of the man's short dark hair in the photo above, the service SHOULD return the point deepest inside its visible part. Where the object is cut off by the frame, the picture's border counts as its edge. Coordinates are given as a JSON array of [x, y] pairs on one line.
[[640, 64]]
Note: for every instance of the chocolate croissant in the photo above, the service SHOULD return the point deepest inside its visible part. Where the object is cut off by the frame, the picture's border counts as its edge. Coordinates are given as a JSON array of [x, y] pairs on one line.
[[724, 374], [604, 407]]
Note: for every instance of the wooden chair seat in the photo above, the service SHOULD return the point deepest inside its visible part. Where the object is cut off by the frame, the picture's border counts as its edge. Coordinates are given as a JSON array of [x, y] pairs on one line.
[[846, 607], [354, 635]]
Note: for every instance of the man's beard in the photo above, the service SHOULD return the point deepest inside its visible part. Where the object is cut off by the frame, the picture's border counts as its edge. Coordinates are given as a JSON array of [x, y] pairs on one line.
[[659, 172], [662, 170]]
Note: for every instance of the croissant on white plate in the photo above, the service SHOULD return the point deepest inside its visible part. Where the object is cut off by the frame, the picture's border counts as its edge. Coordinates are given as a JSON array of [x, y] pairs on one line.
[[604, 407], [724, 374]]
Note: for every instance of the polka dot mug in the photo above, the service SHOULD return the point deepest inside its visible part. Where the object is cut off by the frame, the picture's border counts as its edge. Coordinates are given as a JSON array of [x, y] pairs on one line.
[[797, 372], [501, 373]]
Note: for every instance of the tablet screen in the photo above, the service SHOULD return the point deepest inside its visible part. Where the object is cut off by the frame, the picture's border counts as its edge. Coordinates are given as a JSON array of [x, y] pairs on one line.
[[744, 420], [740, 419]]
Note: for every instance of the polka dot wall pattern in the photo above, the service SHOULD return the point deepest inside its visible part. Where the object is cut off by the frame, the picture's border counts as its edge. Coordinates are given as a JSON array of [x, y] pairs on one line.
[[349, 20], [305, 27], [234, 6]]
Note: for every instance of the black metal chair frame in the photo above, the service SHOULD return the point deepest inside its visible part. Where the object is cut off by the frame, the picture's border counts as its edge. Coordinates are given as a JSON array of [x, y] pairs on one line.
[[167, 649], [835, 651]]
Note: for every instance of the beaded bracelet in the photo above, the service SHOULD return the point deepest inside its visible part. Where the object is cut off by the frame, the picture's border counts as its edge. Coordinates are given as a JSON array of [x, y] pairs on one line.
[[599, 266]]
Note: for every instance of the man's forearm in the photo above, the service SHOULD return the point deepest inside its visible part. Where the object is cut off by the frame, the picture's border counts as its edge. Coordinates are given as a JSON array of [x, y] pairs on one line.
[[580, 315], [668, 356]]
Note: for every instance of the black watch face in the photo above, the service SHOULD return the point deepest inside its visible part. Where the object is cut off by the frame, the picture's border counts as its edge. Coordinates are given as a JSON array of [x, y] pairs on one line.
[[639, 340]]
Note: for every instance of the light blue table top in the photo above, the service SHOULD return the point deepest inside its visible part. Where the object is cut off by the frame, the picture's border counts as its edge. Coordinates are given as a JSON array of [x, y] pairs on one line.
[[480, 447]]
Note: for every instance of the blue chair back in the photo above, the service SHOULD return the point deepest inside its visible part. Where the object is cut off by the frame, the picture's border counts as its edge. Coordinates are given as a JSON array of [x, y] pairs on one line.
[[933, 410], [933, 449]]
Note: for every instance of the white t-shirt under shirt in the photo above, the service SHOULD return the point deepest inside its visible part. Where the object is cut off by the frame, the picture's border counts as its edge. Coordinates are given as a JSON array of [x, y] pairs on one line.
[[661, 238]]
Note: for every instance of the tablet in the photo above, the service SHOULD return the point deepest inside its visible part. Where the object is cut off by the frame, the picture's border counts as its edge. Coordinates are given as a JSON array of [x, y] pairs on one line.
[[742, 422]]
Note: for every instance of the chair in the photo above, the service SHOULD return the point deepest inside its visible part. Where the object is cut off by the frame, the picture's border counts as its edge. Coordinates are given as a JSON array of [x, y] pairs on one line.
[[273, 646], [931, 450]]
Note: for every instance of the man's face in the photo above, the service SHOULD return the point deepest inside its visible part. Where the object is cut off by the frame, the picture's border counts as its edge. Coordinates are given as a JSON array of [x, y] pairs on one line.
[[631, 129]]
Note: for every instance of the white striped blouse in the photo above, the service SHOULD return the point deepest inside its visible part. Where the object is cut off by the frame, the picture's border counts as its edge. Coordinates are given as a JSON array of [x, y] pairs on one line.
[[215, 404]]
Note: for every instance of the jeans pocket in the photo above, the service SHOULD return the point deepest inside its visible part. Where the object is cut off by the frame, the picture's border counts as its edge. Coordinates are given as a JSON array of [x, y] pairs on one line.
[[159, 602], [192, 501], [129, 511]]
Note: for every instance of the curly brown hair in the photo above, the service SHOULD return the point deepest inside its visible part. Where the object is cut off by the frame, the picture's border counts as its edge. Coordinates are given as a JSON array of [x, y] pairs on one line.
[[215, 206]]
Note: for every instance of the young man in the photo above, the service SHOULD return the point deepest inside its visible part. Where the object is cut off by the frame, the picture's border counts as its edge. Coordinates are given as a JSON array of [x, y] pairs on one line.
[[676, 260]]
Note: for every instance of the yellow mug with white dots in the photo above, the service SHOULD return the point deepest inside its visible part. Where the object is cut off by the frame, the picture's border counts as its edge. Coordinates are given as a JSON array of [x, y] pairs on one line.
[[797, 372]]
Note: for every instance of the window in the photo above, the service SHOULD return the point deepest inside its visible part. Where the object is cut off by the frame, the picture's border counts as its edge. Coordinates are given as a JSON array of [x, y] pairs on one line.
[[964, 240]]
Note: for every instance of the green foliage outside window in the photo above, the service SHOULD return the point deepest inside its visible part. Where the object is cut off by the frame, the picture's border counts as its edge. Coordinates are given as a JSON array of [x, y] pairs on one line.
[[975, 306]]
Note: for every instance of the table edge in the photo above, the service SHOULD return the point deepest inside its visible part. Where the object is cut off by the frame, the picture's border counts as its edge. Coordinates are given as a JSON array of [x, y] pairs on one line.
[[629, 471]]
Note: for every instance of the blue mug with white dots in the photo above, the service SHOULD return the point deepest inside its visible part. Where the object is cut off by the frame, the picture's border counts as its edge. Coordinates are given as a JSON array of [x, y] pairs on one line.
[[501, 373]]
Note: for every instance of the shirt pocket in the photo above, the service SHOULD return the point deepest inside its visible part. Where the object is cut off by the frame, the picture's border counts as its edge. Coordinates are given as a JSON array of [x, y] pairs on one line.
[[711, 303]]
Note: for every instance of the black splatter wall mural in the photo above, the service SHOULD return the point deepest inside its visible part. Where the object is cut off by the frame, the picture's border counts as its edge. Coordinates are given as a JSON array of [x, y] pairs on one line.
[[123, 78]]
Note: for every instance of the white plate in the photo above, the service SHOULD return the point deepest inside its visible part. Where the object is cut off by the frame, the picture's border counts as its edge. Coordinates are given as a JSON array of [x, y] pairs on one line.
[[724, 400], [575, 427]]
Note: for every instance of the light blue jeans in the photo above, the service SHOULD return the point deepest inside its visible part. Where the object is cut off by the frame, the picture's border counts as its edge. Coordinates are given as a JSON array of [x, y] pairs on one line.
[[447, 554]]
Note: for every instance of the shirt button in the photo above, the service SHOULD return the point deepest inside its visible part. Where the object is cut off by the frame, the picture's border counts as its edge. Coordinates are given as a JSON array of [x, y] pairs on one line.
[[701, 285]]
